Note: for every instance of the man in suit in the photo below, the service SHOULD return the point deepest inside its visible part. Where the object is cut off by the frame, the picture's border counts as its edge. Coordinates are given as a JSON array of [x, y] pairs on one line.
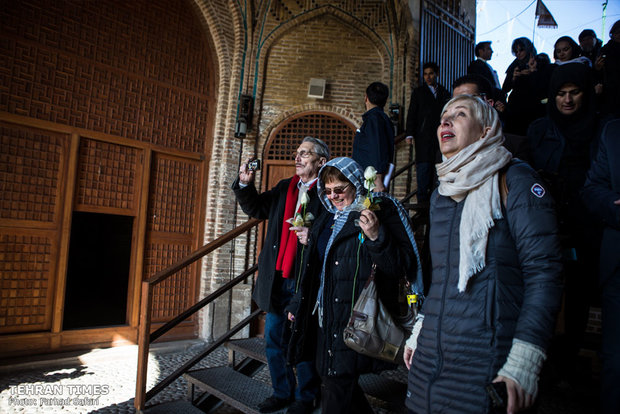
[[480, 66], [278, 265], [425, 107]]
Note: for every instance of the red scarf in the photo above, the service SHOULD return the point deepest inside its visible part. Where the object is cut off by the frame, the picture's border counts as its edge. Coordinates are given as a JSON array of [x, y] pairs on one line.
[[288, 240]]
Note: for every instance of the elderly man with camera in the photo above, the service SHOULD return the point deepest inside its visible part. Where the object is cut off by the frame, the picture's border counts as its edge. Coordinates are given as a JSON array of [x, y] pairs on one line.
[[291, 203]]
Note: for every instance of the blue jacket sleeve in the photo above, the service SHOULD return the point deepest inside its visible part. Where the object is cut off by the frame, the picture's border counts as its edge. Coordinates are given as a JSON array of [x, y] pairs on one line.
[[530, 214]]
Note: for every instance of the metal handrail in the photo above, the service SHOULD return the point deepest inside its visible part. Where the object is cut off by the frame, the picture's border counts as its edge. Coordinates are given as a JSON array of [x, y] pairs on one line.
[[145, 337]]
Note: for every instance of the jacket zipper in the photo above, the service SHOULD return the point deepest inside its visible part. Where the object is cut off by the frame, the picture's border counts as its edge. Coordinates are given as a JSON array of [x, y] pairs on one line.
[[440, 316]]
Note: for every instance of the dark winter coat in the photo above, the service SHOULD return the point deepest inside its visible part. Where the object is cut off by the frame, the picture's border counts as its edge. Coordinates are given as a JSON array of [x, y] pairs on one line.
[[394, 257], [480, 67], [373, 144], [270, 205], [562, 147], [601, 189], [610, 100], [466, 337], [423, 119]]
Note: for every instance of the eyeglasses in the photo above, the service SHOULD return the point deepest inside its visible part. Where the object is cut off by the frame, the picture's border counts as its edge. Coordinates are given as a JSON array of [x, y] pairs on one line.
[[337, 190], [302, 154]]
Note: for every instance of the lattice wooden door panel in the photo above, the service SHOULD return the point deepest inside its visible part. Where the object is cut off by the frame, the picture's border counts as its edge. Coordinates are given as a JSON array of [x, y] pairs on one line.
[[172, 223], [337, 133], [108, 178], [32, 162]]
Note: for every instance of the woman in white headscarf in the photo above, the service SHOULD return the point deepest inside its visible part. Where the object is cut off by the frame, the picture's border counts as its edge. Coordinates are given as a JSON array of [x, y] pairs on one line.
[[495, 290]]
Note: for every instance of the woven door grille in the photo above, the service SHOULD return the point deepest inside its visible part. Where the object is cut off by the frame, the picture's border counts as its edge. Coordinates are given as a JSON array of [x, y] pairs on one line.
[[336, 133], [172, 224], [31, 163], [106, 175]]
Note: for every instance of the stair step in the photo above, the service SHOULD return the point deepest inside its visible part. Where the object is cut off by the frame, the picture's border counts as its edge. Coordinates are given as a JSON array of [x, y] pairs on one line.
[[177, 407], [232, 387], [252, 347]]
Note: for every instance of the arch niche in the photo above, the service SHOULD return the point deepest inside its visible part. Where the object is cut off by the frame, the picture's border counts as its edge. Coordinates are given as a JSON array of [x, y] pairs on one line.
[[336, 131]]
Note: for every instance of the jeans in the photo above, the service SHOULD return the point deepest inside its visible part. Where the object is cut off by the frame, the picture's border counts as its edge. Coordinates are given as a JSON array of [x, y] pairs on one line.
[[277, 339], [426, 176]]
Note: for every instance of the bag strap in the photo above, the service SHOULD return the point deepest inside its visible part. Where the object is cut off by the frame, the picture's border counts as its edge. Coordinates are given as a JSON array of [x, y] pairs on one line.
[[503, 187], [360, 239]]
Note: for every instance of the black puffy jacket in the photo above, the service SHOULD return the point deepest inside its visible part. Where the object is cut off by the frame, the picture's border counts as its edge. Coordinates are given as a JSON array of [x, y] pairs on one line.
[[394, 257], [466, 337]]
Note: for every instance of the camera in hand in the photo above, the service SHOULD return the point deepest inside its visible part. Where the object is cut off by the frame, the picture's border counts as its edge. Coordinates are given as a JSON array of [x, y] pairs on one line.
[[254, 165]]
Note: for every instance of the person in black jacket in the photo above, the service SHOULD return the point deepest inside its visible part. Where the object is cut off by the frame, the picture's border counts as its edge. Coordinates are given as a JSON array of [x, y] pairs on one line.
[[590, 44], [495, 290], [422, 120], [374, 141], [278, 267], [607, 66], [562, 145], [342, 246], [523, 49], [480, 66], [601, 195]]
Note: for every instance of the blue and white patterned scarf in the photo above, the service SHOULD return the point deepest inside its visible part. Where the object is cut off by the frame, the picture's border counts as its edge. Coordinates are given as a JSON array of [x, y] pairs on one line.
[[352, 170]]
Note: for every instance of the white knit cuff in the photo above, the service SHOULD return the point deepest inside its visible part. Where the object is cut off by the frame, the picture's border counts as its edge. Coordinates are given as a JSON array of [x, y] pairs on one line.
[[523, 365], [412, 342]]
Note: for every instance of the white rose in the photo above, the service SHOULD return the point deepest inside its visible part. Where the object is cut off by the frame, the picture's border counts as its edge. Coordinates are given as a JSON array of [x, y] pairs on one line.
[[370, 173], [305, 198]]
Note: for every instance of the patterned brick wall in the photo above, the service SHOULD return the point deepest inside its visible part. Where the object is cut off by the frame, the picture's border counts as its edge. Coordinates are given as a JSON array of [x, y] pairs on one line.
[[134, 69], [309, 51]]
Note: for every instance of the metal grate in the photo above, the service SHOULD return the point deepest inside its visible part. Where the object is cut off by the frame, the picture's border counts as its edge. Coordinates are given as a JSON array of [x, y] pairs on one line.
[[445, 40]]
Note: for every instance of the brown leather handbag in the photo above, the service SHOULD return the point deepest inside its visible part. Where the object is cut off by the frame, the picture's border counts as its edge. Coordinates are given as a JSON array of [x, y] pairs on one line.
[[371, 330]]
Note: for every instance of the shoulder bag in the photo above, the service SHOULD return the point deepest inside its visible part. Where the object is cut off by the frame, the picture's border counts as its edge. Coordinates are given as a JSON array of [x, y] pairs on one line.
[[371, 330]]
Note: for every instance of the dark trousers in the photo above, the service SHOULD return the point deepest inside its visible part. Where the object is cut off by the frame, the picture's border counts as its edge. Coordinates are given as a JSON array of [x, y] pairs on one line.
[[610, 375], [276, 345], [343, 395]]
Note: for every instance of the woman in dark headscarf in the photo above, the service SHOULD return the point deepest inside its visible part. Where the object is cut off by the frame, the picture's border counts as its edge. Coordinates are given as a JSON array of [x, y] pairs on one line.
[[562, 145], [342, 246], [523, 81], [523, 49]]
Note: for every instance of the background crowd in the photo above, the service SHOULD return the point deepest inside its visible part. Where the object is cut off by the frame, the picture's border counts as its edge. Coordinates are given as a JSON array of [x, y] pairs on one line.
[[523, 188]]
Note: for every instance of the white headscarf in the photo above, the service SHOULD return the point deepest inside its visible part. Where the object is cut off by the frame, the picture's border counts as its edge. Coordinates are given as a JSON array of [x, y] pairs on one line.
[[472, 174]]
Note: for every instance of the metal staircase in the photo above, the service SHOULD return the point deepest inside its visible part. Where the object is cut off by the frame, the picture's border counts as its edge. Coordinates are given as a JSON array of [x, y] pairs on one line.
[[236, 384]]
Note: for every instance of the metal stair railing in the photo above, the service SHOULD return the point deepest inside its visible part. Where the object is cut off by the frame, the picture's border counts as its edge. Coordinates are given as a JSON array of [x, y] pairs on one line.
[[145, 338]]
